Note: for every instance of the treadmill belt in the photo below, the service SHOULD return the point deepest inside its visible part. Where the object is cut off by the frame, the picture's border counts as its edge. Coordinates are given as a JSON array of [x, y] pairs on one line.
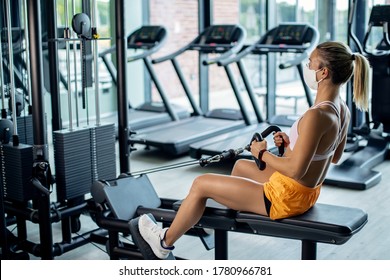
[[141, 119], [176, 137], [352, 177]]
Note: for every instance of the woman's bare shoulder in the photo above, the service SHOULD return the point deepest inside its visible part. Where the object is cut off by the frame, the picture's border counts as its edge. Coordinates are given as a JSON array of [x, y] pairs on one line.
[[317, 118]]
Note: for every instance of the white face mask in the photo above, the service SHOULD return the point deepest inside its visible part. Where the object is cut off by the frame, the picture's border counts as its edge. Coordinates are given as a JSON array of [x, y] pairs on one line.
[[310, 77]]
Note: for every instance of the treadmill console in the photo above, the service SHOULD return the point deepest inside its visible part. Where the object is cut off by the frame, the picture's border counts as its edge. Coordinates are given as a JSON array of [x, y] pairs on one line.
[[221, 34], [289, 34], [217, 38], [146, 37], [287, 38]]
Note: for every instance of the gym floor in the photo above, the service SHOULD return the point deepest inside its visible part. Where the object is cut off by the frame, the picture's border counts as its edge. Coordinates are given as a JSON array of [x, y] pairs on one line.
[[371, 243]]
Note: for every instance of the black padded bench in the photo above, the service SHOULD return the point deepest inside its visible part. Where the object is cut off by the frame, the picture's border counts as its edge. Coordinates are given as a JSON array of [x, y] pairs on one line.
[[129, 197]]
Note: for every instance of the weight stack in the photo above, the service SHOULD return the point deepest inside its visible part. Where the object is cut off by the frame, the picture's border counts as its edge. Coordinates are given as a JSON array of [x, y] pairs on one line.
[[103, 152], [72, 159], [25, 129], [16, 172], [83, 156]]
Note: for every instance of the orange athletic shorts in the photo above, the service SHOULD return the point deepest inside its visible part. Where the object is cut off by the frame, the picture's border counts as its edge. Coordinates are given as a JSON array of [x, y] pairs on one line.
[[288, 197]]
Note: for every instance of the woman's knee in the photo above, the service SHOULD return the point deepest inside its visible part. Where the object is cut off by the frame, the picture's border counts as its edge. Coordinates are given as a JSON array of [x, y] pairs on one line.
[[199, 185]]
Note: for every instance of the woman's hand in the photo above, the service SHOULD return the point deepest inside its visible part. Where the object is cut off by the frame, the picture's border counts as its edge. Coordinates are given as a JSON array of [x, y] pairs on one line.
[[279, 137], [256, 147]]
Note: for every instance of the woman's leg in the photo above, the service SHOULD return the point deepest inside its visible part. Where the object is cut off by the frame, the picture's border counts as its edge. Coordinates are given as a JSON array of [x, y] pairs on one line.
[[237, 193], [248, 169]]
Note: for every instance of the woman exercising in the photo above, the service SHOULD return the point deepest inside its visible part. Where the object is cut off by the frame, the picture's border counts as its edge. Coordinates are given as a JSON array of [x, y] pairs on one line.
[[289, 185]]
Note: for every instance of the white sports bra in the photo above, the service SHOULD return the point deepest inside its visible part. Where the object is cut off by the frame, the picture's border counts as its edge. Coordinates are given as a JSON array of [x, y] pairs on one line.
[[331, 150]]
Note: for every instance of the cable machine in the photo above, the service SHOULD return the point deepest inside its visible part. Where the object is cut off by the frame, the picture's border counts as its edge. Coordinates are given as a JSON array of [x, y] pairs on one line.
[[27, 179]]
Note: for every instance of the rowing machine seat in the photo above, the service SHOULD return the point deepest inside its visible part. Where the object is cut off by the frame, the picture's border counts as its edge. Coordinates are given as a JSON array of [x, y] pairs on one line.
[[129, 197], [322, 223]]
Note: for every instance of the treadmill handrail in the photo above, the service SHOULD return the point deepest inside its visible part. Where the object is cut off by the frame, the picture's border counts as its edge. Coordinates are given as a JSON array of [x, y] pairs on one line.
[[350, 32], [294, 62], [234, 58], [233, 48], [130, 58], [142, 55], [110, 50], [386, 33], [148, 48], [384, 21], [110, 65], [305, 49], [174, 54], [385, 37]]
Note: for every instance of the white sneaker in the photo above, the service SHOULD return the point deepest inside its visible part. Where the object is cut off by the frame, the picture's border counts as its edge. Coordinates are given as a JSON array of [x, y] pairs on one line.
[[153, 235]]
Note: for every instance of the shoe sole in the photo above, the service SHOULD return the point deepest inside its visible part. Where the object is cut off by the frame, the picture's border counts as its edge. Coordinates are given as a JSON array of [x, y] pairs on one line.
[[142, 245]]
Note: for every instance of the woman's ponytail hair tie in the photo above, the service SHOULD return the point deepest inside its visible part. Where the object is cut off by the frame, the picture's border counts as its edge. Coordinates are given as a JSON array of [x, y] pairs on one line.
[[352, 57]]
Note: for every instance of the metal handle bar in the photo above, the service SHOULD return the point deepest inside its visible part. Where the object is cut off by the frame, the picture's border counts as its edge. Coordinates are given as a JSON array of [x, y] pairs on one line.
[[258, 47], [237, 57], [293, 62], [174, 54], [385, 37], [260, 137], [223, 56], [193, 45]]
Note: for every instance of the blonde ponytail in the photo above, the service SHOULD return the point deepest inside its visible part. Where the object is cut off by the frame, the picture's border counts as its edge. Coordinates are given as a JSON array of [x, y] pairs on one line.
[[360, 82]]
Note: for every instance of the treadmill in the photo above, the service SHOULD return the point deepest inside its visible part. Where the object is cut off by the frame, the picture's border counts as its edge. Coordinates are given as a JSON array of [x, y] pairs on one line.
[[176, 137], [296, 38], [148, 40], [356, 171]]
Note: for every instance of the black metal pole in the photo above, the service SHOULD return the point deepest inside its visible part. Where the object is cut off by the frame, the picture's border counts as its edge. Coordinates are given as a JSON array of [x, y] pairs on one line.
[[38, 115], [360, 30], [196, 109], [160, 89], [309, 250], [271, 64], [360, 22], [356, 31], [249, 89], [36, 73], [221, 244], [237, 94], [205, 20], [123, 122], [51, 13]]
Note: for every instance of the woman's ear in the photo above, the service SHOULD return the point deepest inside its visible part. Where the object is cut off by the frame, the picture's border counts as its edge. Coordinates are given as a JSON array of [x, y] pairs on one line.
[[324, 73]]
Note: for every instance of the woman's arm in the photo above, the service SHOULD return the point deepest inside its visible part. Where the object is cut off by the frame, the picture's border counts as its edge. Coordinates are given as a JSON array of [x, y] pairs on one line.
[[311, 128]]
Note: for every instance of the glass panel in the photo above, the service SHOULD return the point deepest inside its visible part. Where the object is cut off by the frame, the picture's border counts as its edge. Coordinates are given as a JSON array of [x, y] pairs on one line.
[[289, 89], [180, 18], [286, 10], [253, 18], [224, 12]]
